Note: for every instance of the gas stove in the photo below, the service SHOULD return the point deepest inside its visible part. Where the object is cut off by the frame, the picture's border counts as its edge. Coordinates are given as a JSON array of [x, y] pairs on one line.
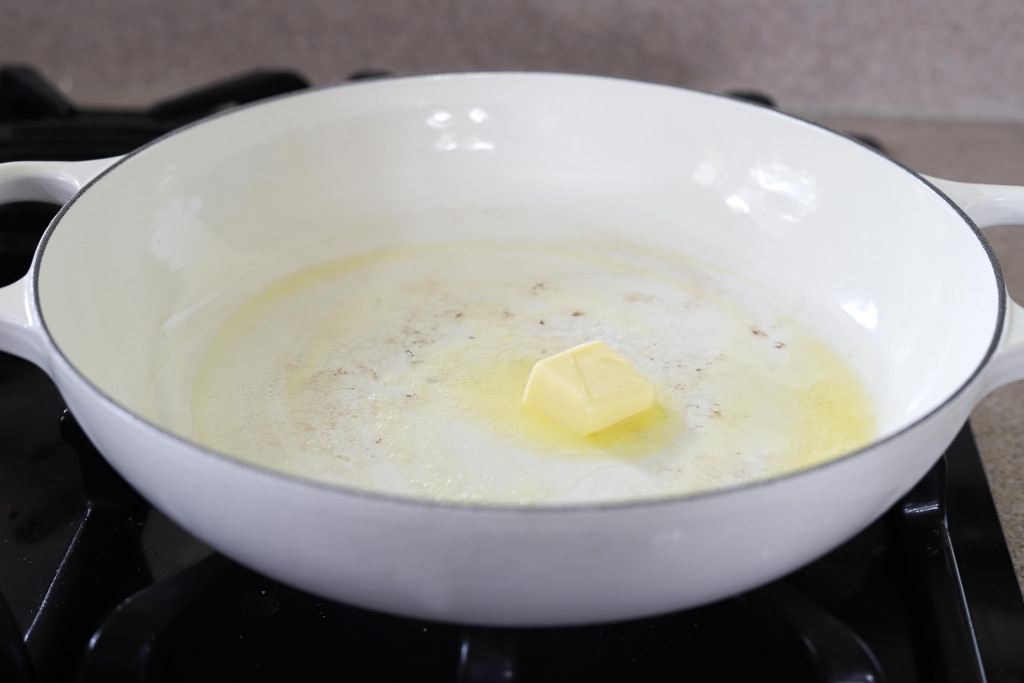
[[97, 586]]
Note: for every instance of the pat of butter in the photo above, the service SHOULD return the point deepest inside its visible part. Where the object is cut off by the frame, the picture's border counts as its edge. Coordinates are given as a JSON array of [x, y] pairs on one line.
[[587, 388]]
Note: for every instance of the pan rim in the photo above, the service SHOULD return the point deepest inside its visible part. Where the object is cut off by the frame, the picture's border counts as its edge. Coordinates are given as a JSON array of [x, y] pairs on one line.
[[156, 430]]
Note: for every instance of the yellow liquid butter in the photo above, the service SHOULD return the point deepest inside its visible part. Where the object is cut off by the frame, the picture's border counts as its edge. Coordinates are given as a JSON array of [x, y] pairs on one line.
[[402, 371]]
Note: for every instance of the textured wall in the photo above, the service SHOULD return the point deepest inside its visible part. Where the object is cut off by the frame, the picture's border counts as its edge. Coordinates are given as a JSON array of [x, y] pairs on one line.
[[934, 58]]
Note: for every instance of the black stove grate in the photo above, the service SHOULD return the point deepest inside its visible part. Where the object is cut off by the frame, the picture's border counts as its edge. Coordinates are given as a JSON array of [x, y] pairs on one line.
[[38, 123]]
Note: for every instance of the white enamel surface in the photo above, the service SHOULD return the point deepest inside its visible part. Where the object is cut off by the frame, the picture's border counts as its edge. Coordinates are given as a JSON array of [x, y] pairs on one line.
[[855, 243]]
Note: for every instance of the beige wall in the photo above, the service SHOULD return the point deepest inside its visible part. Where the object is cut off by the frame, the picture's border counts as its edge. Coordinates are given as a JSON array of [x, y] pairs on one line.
[[931, 58]]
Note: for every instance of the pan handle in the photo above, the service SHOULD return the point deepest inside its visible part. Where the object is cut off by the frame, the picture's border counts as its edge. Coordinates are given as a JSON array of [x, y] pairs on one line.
[[988, 206], [47, 181], [21, 332]]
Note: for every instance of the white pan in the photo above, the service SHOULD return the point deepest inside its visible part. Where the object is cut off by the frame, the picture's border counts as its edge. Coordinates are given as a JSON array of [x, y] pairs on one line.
[[301, 330]]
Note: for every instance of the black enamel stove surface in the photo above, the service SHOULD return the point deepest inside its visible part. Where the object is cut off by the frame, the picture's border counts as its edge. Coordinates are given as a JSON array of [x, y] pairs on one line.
[[96, 586]]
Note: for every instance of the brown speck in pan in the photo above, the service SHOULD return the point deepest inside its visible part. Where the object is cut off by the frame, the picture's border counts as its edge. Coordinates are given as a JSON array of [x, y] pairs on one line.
[[541, 322], [757, 331], [459, 314], [637, 297], [780, 345], [577, 314]]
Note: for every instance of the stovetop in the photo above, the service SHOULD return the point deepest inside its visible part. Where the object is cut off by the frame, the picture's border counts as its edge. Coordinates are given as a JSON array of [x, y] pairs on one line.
[[97, 586]]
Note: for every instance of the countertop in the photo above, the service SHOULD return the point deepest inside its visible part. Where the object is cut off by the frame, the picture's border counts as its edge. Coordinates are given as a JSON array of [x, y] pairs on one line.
[[985, 153], [934, 58]]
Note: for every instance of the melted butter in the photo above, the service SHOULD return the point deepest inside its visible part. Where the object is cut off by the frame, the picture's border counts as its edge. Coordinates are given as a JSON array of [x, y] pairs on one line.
[[836, 412], [493, 396], [402, 370]]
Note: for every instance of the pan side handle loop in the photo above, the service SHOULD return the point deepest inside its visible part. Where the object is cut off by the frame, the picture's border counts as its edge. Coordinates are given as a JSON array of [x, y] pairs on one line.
[[988, 206], [47, 181], [21, 331]]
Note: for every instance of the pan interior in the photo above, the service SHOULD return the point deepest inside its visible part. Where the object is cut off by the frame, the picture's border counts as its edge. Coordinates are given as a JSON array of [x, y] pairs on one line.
[[713, 243]]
